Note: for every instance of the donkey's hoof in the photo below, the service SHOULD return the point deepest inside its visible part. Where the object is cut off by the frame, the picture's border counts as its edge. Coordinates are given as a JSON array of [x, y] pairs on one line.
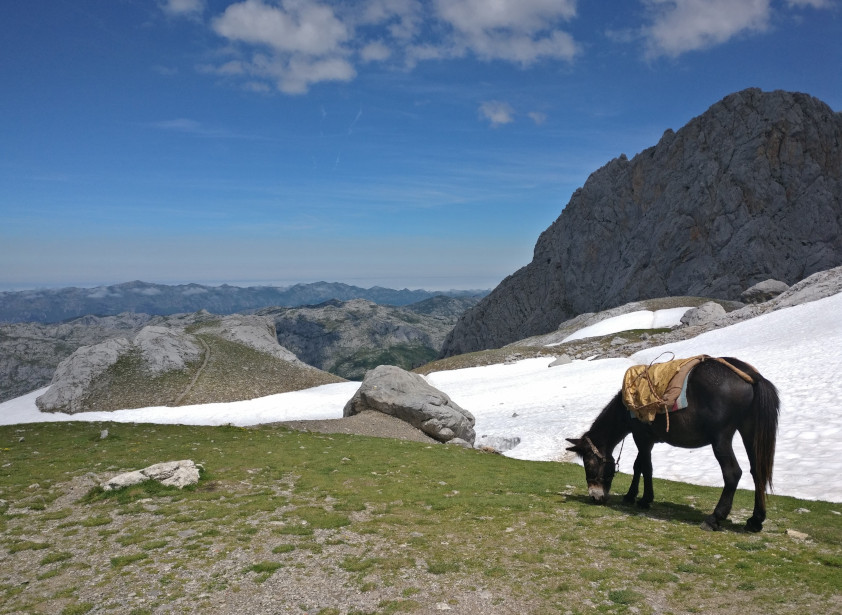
[[753, 525], [710, 525], [644, 505]]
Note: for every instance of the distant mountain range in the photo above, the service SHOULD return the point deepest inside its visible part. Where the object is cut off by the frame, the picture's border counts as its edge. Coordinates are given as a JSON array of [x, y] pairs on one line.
[[57, 305]]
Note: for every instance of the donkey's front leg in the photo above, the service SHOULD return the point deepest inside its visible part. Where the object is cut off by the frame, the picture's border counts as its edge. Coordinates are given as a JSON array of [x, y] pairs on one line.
[[642, 466], [631, 494]]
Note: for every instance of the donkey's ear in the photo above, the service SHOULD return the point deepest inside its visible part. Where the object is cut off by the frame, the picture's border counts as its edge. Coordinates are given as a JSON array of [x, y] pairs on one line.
[[577, 445]]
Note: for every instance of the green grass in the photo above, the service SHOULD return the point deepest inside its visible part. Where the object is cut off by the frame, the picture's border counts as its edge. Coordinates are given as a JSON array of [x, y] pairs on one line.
[[387, 519]]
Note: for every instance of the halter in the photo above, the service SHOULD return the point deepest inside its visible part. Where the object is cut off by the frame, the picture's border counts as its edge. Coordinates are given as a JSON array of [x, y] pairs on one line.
[[594, 449], [601, 456]]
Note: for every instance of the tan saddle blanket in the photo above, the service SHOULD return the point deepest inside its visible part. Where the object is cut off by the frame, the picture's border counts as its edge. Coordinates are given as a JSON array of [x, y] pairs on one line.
[[654, 389]]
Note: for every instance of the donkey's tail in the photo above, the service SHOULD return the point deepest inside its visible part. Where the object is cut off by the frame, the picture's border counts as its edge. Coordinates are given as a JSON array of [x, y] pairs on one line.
[[765, 408]]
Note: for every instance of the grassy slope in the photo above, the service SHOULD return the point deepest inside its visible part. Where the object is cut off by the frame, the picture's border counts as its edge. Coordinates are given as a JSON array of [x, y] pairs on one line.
[[388, 526], [232, 372]]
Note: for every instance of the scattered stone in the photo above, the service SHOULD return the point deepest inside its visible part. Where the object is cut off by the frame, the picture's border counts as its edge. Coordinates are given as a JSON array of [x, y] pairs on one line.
[[763, 291], [103, 434], [562, 360], [797, 535], [499, 443], [705, 313], [170, 473], [460, 442], [407, 396], [619, 341]]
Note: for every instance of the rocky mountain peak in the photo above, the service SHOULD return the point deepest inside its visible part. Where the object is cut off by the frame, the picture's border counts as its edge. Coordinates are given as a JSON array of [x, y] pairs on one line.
[[747, 191]]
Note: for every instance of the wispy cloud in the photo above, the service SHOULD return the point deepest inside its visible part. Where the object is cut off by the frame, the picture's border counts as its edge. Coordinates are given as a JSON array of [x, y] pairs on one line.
[[679, 26], [182, 8], [497, 112], [197, 129]]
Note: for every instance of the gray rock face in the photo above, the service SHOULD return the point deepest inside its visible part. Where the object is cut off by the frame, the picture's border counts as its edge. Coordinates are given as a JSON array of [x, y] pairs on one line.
[[763, 291], [407, 396], [749, 190], [165, 349], [30, 352], [156, 350], [170, 473], [74, 375], [347, 338], [256, 332], [705, 313]]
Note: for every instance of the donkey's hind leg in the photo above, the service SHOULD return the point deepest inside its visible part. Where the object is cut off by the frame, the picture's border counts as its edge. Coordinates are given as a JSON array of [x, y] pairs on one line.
[[755, 523], [731, 473]]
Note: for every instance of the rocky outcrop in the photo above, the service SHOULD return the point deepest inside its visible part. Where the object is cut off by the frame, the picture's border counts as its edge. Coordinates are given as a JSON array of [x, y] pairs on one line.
[[393, 391], [170, 473], [164, 349], [705, 313], [75, 374], [30, 352], [238, 356], [749, 190], [763, 291], [347, 338]]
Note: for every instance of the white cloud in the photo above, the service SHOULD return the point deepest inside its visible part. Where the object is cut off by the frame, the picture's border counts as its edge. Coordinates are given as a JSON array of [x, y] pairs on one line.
[[680, 26], [183, 7], [537, 117], [497, 112], [294, 44], [302, 43], [294, 26], [521, 31], [375, 52]]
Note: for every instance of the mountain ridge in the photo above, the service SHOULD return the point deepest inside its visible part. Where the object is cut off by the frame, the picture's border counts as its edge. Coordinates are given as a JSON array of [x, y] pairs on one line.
[[59, 305]]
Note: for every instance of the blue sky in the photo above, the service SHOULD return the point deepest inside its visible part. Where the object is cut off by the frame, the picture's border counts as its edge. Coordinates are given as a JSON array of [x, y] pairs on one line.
[[398, 143]]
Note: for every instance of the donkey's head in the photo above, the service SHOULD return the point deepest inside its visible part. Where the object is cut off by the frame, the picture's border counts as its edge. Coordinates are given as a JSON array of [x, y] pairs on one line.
[[599, 467]]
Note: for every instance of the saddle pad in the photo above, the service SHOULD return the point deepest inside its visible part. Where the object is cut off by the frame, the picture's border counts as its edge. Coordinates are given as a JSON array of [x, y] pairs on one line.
[[652, 389]]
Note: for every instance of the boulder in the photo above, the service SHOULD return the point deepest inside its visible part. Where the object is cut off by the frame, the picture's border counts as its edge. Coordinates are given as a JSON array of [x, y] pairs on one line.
[[407, 396], [705, 313], [763, 291], [170, 473]]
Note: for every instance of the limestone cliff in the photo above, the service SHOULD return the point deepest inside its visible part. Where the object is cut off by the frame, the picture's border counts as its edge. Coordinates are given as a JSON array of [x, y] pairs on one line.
[[749, 190]]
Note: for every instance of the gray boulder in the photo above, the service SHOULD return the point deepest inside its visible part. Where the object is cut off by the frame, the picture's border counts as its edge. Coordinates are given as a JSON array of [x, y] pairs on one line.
[[170, 473], [407, 396], [74, 375], [752, 185], [763, 291], [705, 313]]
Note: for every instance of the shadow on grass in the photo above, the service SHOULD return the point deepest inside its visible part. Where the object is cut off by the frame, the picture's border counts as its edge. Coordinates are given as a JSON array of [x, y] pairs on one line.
[[660, 511]]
